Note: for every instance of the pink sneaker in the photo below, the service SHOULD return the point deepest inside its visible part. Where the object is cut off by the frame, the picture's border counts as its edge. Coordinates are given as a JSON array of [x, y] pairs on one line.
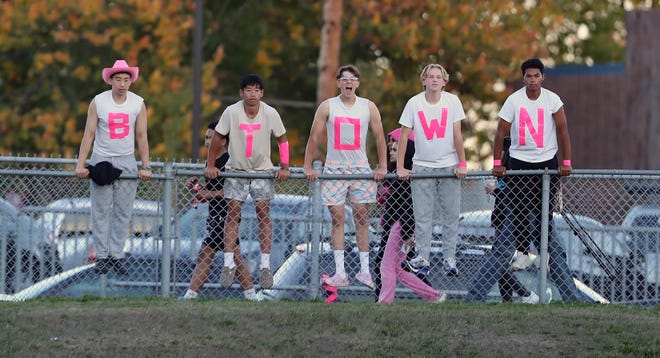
[[365, 279], [337, 281]]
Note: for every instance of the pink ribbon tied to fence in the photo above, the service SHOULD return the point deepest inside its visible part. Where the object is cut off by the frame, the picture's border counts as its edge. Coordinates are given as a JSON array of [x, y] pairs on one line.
[[330, 290]]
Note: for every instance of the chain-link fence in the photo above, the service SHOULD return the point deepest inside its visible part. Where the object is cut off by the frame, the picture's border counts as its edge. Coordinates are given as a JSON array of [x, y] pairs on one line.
[[608, 224]]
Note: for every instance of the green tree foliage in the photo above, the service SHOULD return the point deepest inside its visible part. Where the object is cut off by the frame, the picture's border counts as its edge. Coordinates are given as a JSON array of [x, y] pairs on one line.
[[52, 57], [52, 54]]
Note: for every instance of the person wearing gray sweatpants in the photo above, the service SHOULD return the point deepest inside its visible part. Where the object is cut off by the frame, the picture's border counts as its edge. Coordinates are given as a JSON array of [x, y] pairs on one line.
[[434, 117], [436, 200], [116, 119], [112, 206]]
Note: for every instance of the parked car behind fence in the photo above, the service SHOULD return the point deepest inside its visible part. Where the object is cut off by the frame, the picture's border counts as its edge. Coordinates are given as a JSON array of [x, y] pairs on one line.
[[27, 251], [606, 196], [70, 219]]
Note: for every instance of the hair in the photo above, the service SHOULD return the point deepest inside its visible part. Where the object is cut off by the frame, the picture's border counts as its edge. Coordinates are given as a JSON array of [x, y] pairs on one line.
[[531, 63], [130, 75], [350, 68], [212, 126], [427, 68], [252, 80]]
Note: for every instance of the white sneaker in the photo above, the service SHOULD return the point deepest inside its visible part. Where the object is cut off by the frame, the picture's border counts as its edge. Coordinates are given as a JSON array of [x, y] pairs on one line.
[[449, 266], [532, 299], [419, 262], [521, 261], [537, 261], [252, 296], [189, 295], [442, 298]]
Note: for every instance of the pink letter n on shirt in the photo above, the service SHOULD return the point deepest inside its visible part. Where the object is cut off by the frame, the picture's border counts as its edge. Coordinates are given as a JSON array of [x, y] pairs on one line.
[[249, 136], [526, 122], [355, 122]]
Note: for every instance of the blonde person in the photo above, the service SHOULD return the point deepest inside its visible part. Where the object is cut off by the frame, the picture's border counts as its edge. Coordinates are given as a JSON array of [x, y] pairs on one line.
[[434, 116], [116, 119], [249, 124], [345, 121]]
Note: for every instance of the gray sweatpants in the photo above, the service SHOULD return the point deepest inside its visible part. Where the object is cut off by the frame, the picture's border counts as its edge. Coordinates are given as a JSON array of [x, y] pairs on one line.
[[112, 207], [436, 199]]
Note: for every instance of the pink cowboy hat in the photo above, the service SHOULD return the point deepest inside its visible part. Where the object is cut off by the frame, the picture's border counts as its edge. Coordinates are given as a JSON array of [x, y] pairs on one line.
[[120, 66], [396, 134]]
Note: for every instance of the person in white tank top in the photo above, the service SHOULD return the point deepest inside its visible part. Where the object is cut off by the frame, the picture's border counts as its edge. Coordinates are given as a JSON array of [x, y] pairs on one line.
[[345, 120], [116, 119]]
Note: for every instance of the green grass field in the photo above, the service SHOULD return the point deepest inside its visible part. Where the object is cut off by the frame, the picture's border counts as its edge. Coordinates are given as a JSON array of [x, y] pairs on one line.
[[157, 327]]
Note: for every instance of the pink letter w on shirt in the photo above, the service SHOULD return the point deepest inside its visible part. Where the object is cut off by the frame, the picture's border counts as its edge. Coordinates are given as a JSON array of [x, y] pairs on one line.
[[526, 122], [355, 122], [249, 136], [434, 128]]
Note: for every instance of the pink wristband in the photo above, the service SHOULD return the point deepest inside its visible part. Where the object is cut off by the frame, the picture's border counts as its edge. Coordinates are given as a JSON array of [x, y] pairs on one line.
[[284, 152], [497, 162], [462, 164], [567, 162]]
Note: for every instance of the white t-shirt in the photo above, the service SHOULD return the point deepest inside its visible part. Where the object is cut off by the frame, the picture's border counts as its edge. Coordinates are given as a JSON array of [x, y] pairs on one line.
[[533, 129], [115, 131], [347, 133], [433, 126], [249, 139]]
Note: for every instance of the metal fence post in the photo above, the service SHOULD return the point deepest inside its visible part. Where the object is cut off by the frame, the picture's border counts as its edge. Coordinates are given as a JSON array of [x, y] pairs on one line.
[[167, 232], [317, 218], [545, 208]]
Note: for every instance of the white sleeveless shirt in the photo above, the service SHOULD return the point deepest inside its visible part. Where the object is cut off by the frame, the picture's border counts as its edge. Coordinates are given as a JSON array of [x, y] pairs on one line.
[[347, 133], [115, 132]]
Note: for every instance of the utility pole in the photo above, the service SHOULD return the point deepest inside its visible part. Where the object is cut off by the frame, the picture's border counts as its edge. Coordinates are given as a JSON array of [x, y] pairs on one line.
[[197, 79], [329, 53]]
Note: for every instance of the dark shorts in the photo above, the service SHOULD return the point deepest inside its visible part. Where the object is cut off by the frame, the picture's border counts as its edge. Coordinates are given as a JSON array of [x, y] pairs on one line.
[[215, 235]]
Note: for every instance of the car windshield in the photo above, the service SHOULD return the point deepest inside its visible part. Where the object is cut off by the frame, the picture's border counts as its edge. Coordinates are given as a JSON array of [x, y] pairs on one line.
[[646, 235]]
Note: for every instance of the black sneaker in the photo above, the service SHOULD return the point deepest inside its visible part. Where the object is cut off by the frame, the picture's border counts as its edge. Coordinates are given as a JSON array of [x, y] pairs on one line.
[[423, 274], [118, 265], [102, 266]]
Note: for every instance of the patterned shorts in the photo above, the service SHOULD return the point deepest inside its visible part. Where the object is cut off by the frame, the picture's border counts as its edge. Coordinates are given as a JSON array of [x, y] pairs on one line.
[[361, 191], [259, 189]]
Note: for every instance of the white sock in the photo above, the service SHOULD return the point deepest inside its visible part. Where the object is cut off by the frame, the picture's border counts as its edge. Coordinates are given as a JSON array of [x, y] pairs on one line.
[[229, 259], [250, 294], [190, 294], [339, 263], [364, 262], [265, 261]]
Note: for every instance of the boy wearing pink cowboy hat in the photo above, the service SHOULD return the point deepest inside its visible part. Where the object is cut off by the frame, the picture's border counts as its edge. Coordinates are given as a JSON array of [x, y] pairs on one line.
[[116, 118]]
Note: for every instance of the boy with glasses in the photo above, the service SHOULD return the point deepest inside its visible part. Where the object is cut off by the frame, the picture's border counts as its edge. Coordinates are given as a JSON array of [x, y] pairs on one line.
[[345, 120]]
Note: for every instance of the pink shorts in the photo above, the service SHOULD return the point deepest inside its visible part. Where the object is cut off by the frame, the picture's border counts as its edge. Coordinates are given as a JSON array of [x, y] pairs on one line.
[[361, 191]]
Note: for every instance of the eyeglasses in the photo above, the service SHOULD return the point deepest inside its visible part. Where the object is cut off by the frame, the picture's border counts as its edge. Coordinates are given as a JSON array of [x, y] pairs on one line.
[[349, 79]]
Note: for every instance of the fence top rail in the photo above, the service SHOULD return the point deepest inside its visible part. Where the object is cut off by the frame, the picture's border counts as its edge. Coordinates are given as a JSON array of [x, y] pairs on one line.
[[190, 168]]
